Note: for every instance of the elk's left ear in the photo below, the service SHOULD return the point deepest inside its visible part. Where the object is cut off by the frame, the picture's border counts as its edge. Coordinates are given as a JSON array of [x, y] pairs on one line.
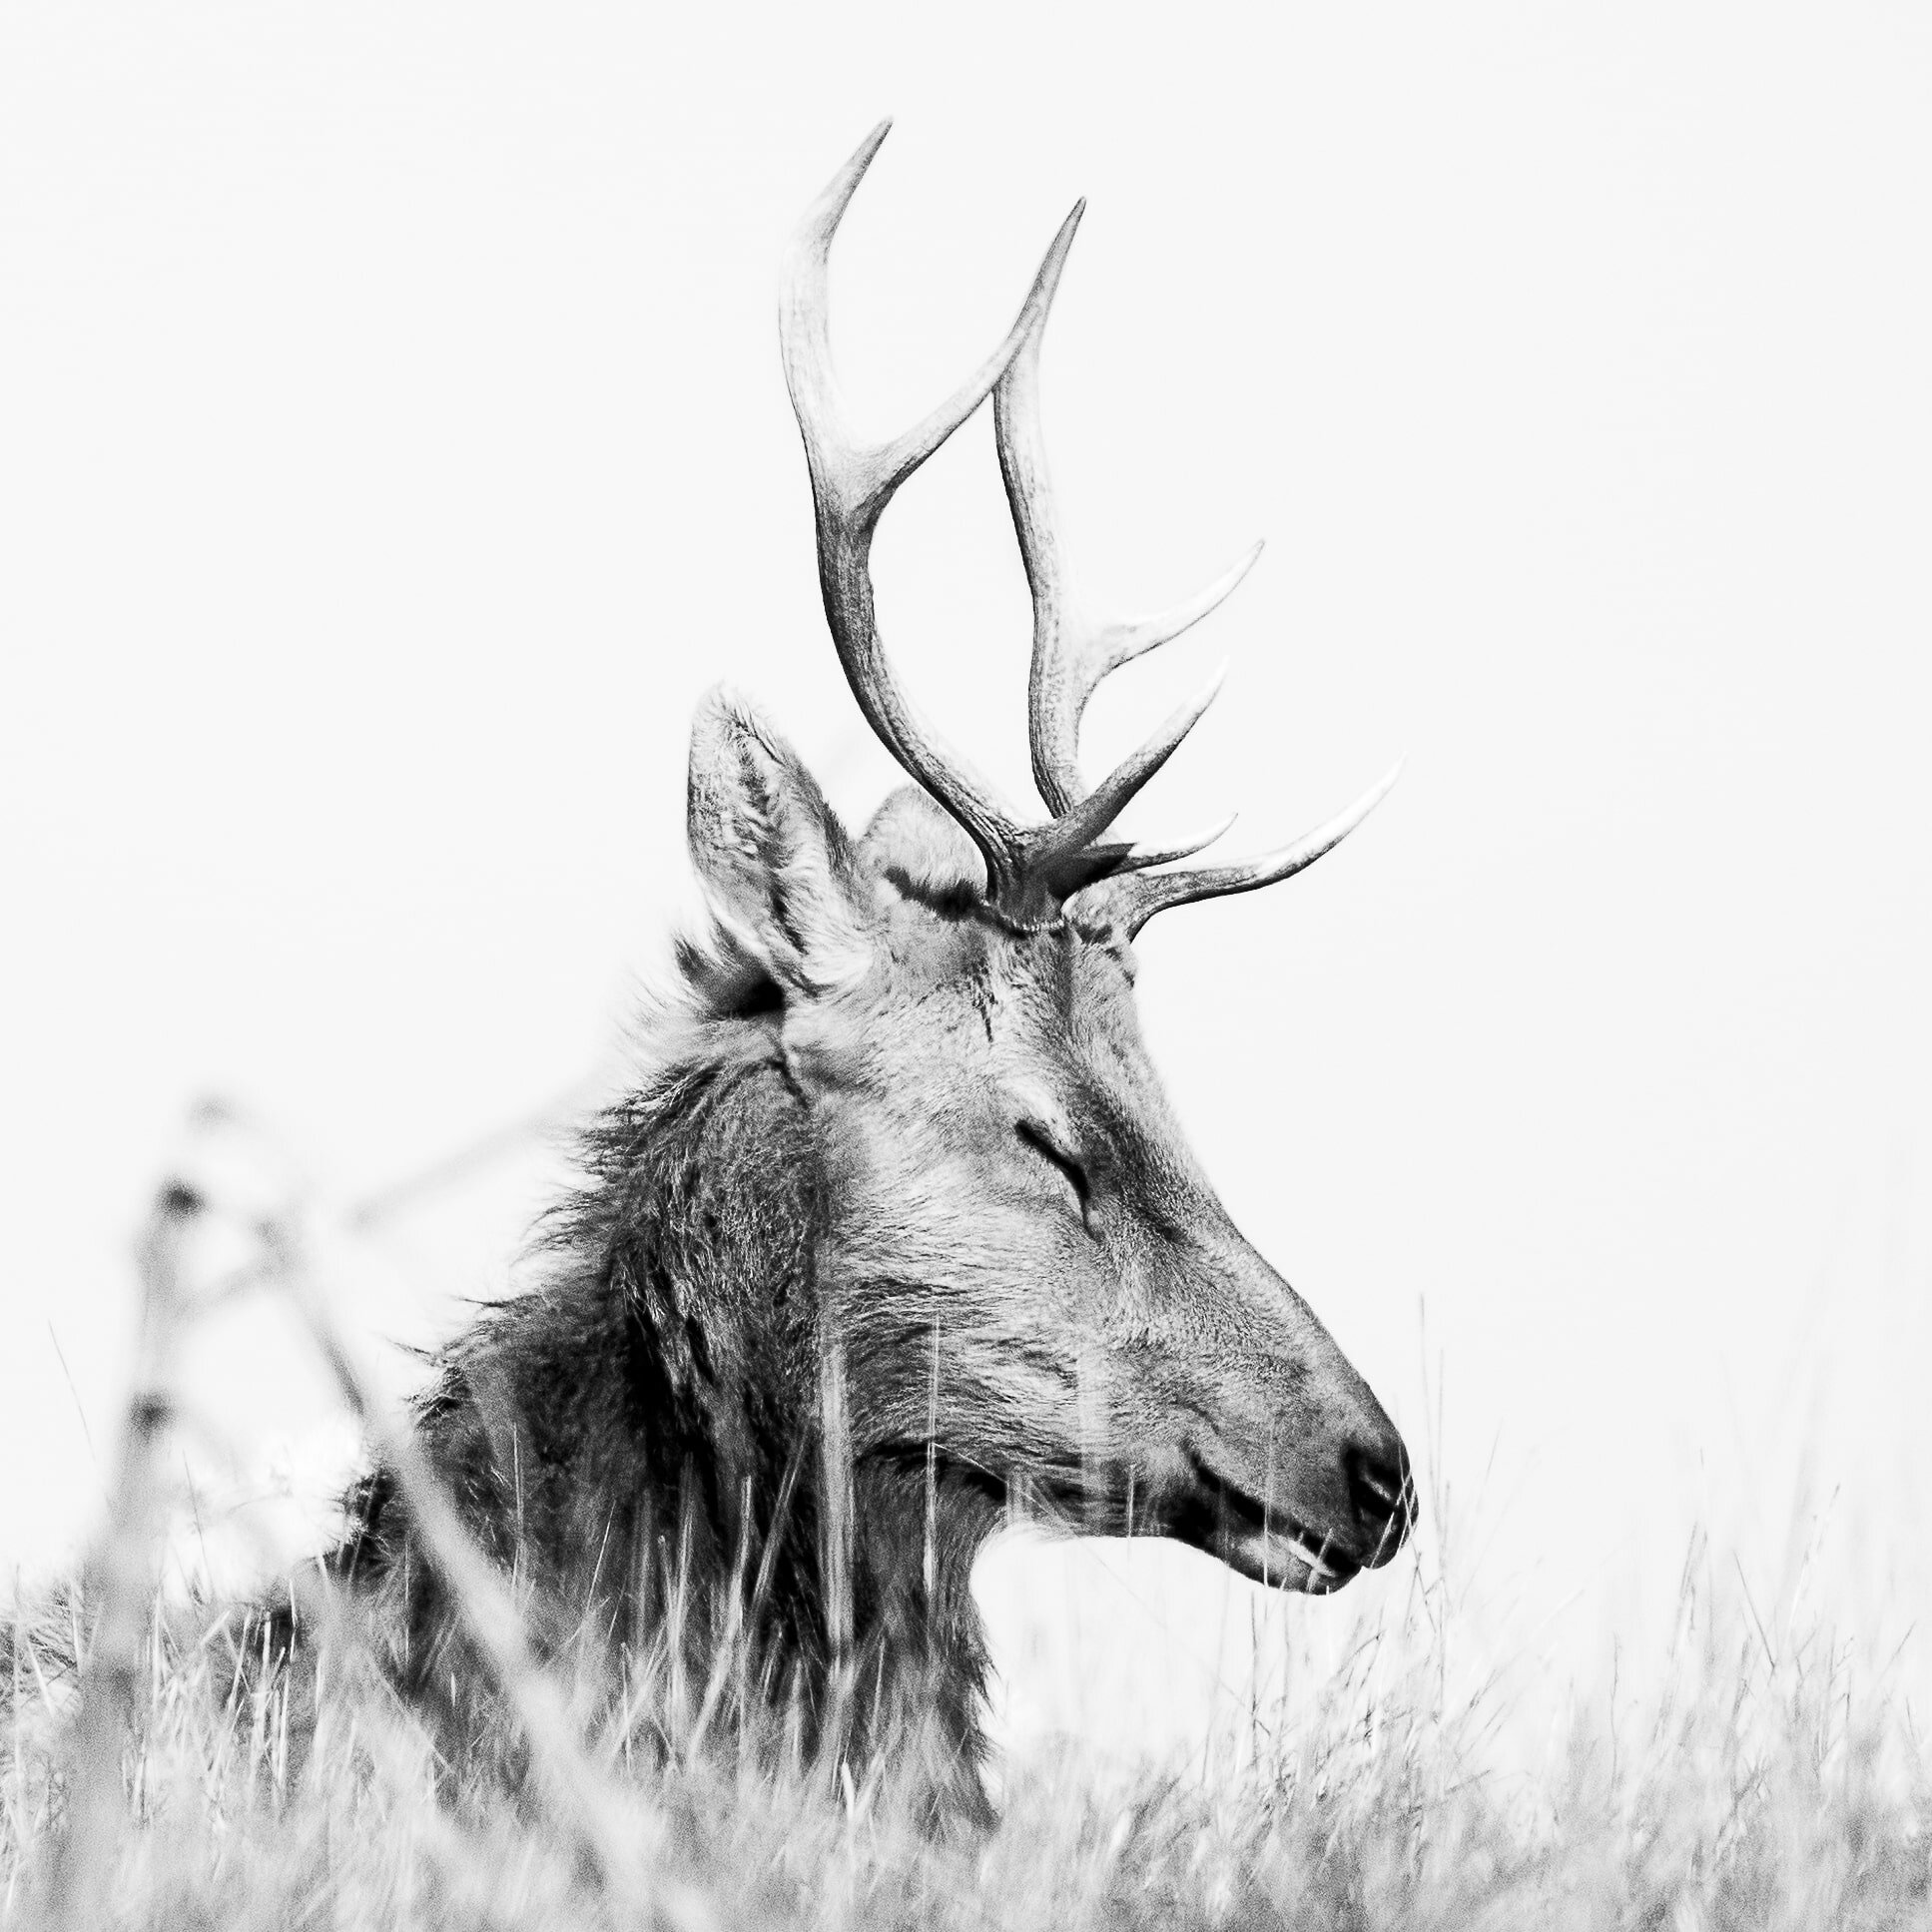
[[770, 853]]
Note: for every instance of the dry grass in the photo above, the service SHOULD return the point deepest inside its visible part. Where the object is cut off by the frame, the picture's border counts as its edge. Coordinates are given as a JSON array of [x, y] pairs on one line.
[[1754, 1798], [1756, 1786]]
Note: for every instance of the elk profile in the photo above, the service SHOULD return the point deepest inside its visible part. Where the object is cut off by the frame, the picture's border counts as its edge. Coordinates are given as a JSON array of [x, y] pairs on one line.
[[901, 1225]]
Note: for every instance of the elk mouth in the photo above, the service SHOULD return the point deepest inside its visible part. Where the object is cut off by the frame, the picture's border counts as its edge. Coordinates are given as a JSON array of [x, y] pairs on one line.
[[1264, 1543]]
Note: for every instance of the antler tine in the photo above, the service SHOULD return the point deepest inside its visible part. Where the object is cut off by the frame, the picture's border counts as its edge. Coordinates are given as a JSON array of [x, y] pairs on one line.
[[1063, 855], [1113, 861], [1133, 901], [1139, 858], [1072, 651], [851, 486]]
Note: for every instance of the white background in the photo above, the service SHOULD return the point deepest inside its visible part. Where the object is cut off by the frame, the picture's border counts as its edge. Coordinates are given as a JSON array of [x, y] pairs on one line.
[[392, 447]]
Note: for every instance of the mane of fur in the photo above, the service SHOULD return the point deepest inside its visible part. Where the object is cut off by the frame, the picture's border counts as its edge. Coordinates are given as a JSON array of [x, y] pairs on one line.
[[638, 1440]]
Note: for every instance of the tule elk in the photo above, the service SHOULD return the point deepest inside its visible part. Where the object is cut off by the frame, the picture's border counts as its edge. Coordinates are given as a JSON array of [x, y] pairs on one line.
[[901, 1229]]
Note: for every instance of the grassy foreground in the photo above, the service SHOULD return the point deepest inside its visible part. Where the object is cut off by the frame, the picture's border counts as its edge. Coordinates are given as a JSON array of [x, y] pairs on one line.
[[1748, 1794], [1764, 1775]]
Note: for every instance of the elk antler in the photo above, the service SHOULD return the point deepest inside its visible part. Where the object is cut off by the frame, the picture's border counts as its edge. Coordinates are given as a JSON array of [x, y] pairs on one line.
[[1133, 901], [1031, 871], [1072, 651], [851, 486]]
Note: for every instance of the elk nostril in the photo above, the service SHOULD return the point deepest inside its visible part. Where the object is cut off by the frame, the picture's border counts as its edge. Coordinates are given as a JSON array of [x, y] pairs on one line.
[[1380, 1490]]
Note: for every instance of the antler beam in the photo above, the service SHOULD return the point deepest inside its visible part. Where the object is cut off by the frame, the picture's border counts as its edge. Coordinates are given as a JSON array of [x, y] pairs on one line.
[[851, 486], [1031, 871], [1072, 651]]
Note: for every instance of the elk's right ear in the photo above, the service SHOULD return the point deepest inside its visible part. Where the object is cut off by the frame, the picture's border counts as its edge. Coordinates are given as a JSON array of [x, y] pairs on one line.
[[773, 857]]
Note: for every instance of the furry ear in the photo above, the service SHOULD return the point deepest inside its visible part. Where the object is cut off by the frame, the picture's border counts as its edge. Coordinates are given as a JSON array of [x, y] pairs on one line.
[[773, 859]]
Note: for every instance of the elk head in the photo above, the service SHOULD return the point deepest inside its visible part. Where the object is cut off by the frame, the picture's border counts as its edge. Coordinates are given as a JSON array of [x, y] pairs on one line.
[[1033, 1281]]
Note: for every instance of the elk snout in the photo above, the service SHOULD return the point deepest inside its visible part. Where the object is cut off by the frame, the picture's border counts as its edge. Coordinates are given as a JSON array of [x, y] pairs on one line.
[[1338, 1507], [1294, 1473], [1382, 1493]]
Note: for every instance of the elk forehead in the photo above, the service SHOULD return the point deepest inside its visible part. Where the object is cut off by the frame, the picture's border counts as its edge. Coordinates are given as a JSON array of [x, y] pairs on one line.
[[1062, 985], [969, 1030]]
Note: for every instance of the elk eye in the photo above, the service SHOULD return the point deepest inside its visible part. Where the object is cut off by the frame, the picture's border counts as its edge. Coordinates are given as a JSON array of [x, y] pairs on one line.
[[1044, 1144]]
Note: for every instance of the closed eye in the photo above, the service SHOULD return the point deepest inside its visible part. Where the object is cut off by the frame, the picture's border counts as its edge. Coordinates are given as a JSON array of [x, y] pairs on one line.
[[1075, 1174]]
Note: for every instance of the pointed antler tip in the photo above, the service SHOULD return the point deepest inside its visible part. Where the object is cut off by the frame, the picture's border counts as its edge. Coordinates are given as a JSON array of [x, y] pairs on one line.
[[1046, 283], [1211, 837], [1346, 820], [1231, 578], [1197, 840], [845, 184]]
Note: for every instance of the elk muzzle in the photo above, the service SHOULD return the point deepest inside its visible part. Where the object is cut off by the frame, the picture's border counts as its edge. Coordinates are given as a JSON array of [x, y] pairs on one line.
[[1356, 1514], [1311, 1528], [1293, 1473]]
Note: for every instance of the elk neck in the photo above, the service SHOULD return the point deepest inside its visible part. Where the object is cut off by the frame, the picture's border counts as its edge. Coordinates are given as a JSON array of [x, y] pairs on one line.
[[646, 1434]]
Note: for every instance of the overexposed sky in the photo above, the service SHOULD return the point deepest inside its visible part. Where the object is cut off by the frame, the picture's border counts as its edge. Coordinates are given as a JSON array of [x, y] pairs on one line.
[[392, 445]]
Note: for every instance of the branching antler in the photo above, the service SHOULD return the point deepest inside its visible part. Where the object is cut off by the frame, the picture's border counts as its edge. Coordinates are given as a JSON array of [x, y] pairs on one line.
[[1031, 871], [1133, 901], [851, 486], [1072, 651]]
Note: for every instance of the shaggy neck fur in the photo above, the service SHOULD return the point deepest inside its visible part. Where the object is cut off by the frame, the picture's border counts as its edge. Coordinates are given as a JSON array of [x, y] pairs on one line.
[[644, 1443]]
